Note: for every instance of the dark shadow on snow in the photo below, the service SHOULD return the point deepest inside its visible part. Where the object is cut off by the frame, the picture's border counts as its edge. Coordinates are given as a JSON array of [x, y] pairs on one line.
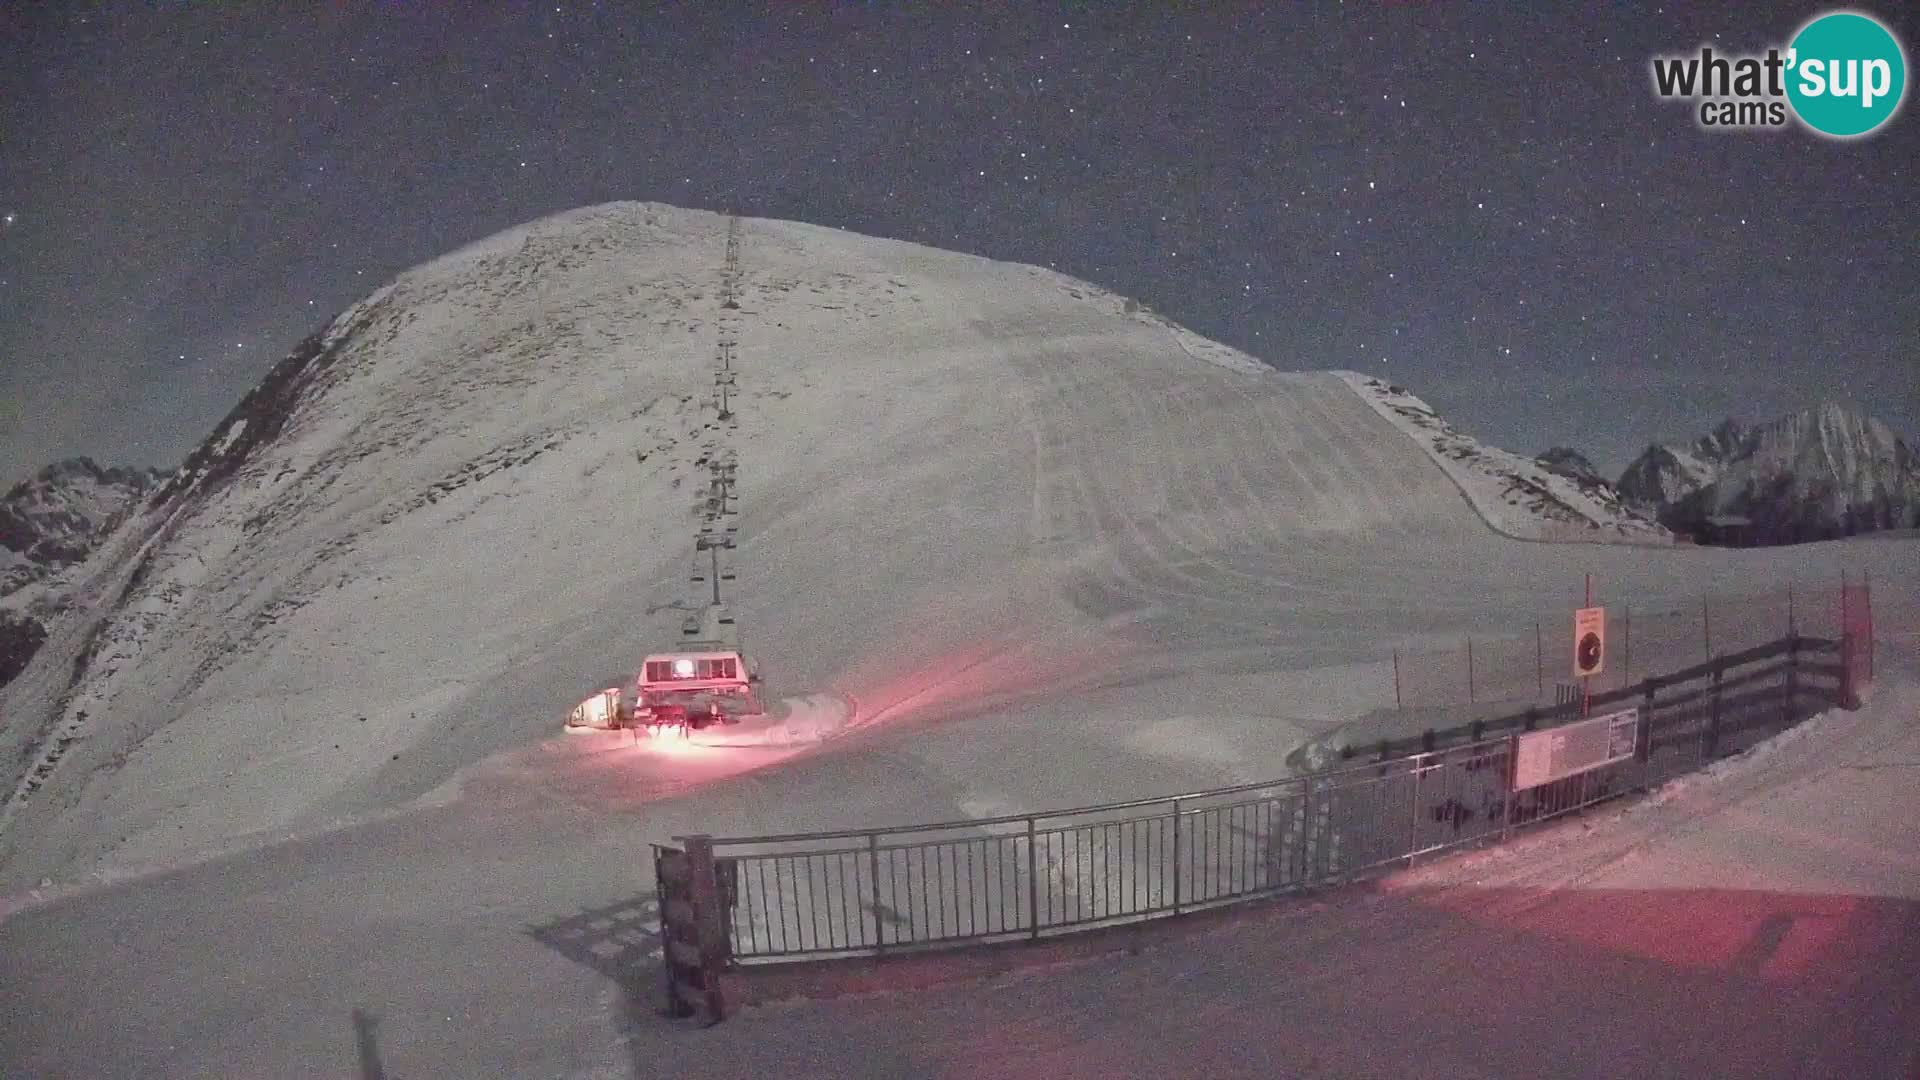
[[622, 942], [368, 1045]]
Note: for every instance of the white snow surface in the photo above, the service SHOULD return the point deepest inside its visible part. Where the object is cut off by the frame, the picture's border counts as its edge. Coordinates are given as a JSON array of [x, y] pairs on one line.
[[1518, 496], [1052, 551]]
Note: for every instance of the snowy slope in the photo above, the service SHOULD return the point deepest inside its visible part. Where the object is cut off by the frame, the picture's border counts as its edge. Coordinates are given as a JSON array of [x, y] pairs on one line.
[[1522, 498], [469, 501]]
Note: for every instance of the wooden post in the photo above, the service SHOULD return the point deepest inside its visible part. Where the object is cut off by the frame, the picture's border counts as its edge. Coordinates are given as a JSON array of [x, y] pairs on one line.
[[1793, 681], [1645, 750], [1713, 714], [1396, 679], [1706, 626], [710, 1003], [1866, 604], [1539, 661], [693, 929], [1469, 671], [1626, 632], [676, 916], [1849, 649]]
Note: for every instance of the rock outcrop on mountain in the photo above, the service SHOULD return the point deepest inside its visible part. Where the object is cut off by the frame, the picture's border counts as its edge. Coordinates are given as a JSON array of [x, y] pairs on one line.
[[49, 524]]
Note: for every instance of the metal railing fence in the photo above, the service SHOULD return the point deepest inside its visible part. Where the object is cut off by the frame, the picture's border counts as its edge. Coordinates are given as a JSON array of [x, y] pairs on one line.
[[876, 891]]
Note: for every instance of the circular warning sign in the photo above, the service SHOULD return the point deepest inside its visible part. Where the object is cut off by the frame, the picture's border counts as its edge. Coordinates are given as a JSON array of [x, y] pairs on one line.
[[1587, 656]]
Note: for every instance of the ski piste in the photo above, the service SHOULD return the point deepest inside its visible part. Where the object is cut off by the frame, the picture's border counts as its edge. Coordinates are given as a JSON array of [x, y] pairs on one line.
[[705, 679]]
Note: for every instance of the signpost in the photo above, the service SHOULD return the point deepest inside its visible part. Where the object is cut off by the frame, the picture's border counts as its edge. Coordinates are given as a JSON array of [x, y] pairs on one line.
[[1589, 642], [1589, 646]]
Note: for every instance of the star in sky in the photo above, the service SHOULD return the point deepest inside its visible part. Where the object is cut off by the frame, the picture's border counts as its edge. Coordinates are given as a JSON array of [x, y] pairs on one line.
[[1576, 264]]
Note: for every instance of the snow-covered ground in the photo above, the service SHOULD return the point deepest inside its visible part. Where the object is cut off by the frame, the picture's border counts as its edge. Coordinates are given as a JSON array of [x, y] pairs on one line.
[[1761, 919], [1053, 551], [1758, 920]]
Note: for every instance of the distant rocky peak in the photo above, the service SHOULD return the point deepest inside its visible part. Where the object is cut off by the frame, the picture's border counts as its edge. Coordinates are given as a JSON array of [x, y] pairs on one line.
[[1571, 464], [1824, 471], [58, 514]]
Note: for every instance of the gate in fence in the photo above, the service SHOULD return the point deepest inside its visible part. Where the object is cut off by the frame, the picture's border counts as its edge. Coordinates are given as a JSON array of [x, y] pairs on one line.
[[765, 899]]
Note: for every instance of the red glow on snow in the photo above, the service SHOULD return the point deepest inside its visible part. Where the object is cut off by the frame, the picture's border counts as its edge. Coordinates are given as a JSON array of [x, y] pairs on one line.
[[1770, 936], [673, 742], [974, 675]]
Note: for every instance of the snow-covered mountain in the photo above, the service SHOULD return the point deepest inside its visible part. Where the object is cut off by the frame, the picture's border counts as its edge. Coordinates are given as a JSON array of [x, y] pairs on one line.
[[1816, 474], [1525, 498], [49, 524], [54, 519], [973, 496], [1571, 464]]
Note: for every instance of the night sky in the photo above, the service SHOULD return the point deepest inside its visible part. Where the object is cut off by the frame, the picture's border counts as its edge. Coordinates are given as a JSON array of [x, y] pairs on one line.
[[1487, 205]]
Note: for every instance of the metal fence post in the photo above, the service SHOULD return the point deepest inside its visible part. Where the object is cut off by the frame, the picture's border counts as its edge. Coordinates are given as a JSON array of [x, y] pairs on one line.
[[1643, 748], [1033, 884], [1305, 835], [1866, 602], [1176, 856], [1396, 679], [1413, 818], [1713, 714], [1506, 805], [873, 873], [1793, 681]]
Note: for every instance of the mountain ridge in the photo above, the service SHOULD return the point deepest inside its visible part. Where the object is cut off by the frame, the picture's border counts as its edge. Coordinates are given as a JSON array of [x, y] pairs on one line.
[[51, 523], [1819, 473]]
